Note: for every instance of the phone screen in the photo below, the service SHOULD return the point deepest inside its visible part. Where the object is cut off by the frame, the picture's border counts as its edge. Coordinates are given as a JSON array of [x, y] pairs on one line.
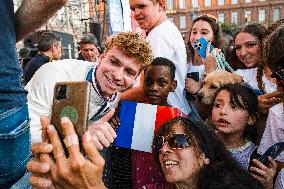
[[194, 76]]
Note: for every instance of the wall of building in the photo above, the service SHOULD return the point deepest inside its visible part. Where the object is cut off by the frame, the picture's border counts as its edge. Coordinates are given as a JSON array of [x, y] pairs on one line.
[[262, 11]]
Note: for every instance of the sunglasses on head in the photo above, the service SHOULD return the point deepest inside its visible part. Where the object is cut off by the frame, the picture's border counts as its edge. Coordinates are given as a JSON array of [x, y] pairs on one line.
[[279, 75], [175, 141]]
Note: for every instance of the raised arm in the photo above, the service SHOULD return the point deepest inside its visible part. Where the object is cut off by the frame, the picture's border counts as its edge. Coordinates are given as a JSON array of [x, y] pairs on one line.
[[34, 13]]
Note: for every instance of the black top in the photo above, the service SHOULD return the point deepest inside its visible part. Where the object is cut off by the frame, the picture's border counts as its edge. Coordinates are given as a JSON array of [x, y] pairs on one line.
[[33, 65]]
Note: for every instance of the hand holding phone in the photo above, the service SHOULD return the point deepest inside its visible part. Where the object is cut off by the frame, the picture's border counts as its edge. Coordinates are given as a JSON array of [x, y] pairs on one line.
[[71, 99], [200, 46], [273, 151]]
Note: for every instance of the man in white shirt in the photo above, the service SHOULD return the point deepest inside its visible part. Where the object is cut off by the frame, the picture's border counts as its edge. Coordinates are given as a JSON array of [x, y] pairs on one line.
[[166, 41], [116, 70]]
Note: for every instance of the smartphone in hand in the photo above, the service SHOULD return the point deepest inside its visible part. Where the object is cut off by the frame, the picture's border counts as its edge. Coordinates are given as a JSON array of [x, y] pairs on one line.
[[71, 99], [200, 47], [273, 151]]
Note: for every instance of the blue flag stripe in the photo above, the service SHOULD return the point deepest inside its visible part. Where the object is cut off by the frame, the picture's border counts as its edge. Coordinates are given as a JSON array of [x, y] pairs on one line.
[[125, 130]]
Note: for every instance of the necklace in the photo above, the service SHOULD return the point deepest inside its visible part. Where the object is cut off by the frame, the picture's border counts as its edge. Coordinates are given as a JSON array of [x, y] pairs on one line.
[[241, 148]]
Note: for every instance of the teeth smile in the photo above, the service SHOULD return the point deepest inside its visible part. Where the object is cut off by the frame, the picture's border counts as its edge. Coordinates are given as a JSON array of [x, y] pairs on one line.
[[170, 164]]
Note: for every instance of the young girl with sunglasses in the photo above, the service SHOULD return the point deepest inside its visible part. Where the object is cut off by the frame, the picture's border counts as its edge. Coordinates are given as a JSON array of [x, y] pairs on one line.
[[233, 116], [193, 157]]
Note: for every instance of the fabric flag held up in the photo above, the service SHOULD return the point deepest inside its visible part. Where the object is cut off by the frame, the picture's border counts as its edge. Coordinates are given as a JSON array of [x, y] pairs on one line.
[[138, 122]]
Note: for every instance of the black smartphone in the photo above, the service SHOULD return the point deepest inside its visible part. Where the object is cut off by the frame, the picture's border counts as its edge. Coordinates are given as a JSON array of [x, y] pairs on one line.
[[194, 76], [71, 99], [273, 151]]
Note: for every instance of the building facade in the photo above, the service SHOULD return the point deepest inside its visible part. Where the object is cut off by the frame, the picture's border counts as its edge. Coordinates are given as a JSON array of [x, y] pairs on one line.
[[235, 12]]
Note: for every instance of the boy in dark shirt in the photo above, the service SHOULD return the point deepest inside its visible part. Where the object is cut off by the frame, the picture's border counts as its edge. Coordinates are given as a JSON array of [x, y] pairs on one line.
[[131, 168]]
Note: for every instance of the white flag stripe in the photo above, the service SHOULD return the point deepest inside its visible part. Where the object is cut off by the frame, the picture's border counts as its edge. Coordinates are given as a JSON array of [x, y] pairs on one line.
[[144, 126]]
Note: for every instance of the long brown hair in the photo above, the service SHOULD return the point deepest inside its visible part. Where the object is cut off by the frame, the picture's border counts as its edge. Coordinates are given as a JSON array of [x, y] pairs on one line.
[[218, 41], [258, 31]]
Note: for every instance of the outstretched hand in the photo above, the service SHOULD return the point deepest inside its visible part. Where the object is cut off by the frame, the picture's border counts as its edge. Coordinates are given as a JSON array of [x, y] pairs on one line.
[[59, 171], [103, 134], [268, 100]]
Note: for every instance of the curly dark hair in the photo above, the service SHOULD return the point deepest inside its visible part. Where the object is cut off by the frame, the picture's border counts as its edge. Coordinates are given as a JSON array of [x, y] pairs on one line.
[[217, 34], [222, 169], [161, 61]]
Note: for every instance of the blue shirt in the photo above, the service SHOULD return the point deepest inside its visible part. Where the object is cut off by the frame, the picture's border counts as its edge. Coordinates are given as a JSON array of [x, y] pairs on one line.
[[12, 93]]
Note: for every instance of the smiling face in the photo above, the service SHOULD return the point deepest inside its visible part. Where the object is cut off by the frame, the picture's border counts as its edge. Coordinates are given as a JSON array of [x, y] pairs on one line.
[[147, 13], [116, 72], [247, 49], [180, 165], [158, 83], [227, 118], [200, 29]]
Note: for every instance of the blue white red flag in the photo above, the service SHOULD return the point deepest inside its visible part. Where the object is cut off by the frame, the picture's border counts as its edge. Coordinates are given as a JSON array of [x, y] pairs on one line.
[[138, 123]]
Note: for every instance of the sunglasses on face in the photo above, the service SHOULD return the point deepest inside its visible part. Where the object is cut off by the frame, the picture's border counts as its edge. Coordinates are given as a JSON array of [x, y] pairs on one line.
[[175, 141], [279, 75]]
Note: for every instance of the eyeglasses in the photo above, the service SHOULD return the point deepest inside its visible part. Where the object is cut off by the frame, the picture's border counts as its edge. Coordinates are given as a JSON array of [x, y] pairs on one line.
[[175, 141], [278, 74]]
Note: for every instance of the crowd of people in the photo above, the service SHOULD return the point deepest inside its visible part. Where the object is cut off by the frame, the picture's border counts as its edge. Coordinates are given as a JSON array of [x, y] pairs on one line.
[[216, 144]]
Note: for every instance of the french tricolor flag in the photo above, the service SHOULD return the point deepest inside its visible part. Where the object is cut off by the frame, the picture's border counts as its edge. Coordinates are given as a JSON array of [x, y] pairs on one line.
[[138, 122]]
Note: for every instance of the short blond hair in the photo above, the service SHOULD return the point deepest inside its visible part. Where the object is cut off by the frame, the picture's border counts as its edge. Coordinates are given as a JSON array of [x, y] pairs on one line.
[[132, 45]]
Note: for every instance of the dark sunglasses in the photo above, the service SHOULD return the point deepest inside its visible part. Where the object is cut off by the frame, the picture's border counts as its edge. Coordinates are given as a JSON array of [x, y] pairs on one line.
[[279, 75], [175, 141]]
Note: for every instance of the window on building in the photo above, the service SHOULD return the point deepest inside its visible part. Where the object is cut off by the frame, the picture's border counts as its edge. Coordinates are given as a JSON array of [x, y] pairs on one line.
[[233, 2], [220, 2], [261, 15], [194, 3], [234, 17], [221, 17], [247, 1], [170, 4], [193, 15], [182, 22], [276, 14], [248, 15], [207, 3], [182, 4]]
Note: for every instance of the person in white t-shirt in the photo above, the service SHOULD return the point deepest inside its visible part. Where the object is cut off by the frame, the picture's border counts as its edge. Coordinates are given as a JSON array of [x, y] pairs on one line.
[[125, 57], [274, 58], [118, 68], [166, 41]]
